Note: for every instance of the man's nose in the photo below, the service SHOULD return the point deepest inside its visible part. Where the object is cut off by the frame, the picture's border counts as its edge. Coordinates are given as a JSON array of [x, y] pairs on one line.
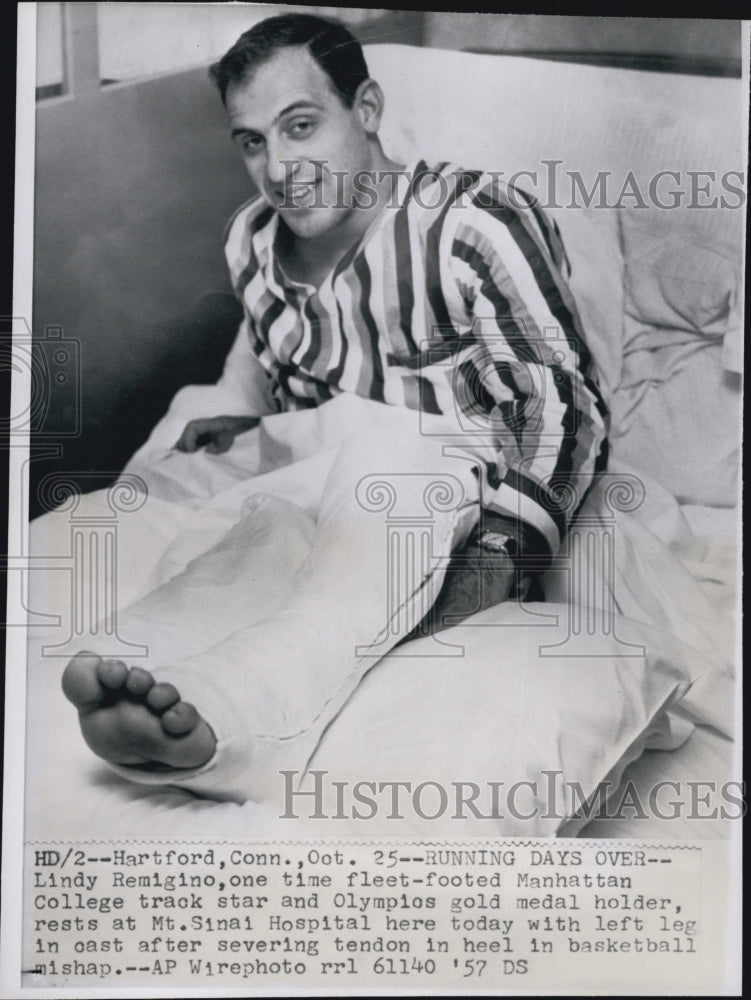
[[277, 171], [279, 166]]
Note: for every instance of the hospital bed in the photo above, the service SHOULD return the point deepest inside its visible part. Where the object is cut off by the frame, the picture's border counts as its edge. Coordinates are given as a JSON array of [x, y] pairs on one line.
[[632, 684]]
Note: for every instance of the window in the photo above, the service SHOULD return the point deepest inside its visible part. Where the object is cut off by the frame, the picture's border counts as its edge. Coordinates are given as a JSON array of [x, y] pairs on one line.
[[51, 75], [138, 40], [84, 46]]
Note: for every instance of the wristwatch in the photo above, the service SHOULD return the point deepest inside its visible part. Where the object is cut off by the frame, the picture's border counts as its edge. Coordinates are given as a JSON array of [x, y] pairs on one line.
[[494, 541], [501, 544]]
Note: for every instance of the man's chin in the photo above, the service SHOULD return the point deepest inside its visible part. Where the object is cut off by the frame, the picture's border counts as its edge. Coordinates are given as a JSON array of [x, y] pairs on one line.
[[307, 223]]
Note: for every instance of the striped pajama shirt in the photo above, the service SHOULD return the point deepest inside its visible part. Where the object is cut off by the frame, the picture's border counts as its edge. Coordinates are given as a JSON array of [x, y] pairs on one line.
[[454, 302]]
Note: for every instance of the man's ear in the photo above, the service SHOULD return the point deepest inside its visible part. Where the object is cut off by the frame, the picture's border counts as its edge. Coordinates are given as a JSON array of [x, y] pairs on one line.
[[368, 105]]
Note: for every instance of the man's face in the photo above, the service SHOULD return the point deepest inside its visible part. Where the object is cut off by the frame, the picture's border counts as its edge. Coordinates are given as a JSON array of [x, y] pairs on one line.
[[296, 136]]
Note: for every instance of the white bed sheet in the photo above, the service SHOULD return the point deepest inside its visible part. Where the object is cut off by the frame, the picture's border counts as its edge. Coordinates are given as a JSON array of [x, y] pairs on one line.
[[707, 756], [676, 794], [74, 795]]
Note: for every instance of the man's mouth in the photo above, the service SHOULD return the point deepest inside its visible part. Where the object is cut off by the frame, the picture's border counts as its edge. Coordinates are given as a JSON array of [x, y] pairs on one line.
[[298, 195]]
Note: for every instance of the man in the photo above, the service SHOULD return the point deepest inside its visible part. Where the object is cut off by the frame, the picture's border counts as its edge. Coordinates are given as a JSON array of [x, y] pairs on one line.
[[416, 305]]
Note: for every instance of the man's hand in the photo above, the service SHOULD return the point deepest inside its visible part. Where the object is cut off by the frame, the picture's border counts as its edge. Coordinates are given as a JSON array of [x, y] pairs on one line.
[[216, 434], [475, 580]]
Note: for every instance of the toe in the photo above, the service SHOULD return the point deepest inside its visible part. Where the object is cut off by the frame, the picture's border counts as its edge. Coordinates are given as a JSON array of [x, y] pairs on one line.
[[80, 680], [162, 696], [180, 719], [139, 682], [112, 673]]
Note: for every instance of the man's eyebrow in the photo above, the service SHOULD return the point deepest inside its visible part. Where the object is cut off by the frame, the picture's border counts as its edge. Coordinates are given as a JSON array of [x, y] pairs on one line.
[[295, 106]]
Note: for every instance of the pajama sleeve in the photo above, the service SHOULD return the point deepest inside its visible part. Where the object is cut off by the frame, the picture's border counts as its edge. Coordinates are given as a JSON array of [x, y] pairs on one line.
[[246, 371], [244, 378], [529, 372]]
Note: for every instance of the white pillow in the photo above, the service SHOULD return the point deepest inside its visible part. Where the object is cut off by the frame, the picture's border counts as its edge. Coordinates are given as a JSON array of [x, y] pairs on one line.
[[677, 284], [504, 711], [678, 418], [679, 277]]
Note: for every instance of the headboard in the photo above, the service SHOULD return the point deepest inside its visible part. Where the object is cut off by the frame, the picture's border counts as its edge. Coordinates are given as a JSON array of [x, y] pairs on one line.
[[566, 120]]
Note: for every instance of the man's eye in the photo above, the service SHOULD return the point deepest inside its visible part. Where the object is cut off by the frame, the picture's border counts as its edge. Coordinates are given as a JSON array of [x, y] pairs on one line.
[[300, 128], [252, 143]]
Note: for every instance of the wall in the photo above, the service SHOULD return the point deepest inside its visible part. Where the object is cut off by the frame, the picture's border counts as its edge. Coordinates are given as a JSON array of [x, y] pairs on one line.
[[678, 38], [134, 185], [135, 182]]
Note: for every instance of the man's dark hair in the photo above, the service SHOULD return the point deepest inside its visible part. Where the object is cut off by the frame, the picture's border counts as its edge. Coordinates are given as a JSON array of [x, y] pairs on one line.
[[334, 48]]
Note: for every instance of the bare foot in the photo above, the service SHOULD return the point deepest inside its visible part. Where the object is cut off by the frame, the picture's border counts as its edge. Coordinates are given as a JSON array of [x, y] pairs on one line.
[[126, 717]]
